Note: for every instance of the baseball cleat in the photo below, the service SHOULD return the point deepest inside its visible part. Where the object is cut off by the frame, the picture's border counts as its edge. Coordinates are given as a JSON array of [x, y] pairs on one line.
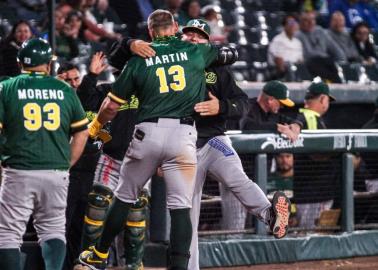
[[281, 209], [93, 259]]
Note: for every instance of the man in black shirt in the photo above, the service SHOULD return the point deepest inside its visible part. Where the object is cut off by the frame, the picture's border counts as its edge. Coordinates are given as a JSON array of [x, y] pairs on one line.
[[215, 153], [264, 112]]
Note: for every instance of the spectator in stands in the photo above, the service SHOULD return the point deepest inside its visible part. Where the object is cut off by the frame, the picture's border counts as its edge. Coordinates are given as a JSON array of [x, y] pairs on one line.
[[191, 9], [174, 6], [282, 178], [320, 51], [355, 11], [9, 47], [360, 35], [219, 31], [134, 14], [314, 193], [69, 34], [30, 9], [373, 122], [264, 112], [106, 15], [340, 36], [93, 32], [285, 49]]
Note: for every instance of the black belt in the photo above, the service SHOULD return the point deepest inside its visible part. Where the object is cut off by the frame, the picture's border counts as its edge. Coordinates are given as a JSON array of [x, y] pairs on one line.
[[184, 120]]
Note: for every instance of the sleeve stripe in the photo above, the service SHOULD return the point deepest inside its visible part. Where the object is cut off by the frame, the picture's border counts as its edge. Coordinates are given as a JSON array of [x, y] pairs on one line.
[[116, 99], [80, 123]]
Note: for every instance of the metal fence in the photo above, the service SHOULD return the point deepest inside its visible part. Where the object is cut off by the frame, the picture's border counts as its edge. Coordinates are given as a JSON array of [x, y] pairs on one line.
[[334, 186]]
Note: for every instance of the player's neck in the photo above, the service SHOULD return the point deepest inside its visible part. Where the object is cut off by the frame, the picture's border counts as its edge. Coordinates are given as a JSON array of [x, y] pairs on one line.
[[38, 69]]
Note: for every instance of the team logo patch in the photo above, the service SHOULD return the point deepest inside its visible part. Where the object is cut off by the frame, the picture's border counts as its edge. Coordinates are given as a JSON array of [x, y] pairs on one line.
[[221, 146], [198, 24], [211, 77]]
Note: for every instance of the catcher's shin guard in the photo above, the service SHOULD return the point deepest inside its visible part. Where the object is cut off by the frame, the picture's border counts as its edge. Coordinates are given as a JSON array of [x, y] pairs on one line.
[[99, 200], [135, 234]]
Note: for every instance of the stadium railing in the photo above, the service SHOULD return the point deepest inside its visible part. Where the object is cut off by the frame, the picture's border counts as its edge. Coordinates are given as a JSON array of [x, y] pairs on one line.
[[337, 164]]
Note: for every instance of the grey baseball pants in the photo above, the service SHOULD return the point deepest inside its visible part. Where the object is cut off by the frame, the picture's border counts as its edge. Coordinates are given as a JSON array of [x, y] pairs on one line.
[[168, 144], [41, 193], [220, 160]]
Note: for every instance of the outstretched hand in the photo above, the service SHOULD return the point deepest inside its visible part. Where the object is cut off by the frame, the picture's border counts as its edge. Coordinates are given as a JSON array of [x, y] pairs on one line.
[[98, 64]]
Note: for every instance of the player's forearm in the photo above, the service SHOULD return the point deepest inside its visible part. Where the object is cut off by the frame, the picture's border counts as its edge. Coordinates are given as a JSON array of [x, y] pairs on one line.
[[108, 111], [78, 142]]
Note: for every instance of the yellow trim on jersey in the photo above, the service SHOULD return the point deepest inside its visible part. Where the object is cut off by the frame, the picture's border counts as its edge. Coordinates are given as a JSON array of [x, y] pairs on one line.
[[116, 99], [80, 123], [136, 223], [93, 222]]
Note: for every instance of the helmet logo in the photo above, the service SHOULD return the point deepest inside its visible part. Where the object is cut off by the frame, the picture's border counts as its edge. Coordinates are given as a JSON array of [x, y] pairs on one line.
[[27, 60], [197, 23]]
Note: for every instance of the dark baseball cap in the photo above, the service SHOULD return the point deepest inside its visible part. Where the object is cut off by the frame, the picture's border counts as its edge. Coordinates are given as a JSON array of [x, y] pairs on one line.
[[197, 25], [318, 88], [279, 91]]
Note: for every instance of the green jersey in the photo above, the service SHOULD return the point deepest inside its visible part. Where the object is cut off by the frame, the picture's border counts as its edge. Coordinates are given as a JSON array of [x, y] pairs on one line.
[[168, 84], [37, 114]]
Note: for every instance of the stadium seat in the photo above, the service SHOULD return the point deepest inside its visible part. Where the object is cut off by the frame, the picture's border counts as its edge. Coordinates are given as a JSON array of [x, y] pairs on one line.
[[228, 5], [251, 20], [272, 5], [253, 36], [245, 53], [372, 72], [259, 53], [274, 20], [351, 72], [301, 73], [228, 17], [233, 36], [252, 4]]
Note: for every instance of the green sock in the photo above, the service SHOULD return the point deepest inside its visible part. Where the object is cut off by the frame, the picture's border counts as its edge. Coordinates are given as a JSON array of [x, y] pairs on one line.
[[10, 259], [181, 237], [53, 253], [114, 224]]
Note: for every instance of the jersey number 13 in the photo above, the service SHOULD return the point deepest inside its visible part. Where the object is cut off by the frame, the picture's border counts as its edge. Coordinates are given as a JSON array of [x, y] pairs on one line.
[[178, 75]]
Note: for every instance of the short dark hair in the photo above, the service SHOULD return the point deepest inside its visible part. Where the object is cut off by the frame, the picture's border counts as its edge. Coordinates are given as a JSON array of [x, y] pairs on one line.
[[357, 26], [160, 18], [66, 67], [287, 17]]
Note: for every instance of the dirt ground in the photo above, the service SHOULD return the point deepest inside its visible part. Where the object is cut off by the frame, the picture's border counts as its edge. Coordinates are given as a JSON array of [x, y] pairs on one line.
[[359, 263]]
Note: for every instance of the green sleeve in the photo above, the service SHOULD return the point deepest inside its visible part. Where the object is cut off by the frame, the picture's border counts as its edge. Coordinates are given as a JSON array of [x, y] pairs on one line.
[[79, 120], [209, 53], [1, 105], [124, 86]]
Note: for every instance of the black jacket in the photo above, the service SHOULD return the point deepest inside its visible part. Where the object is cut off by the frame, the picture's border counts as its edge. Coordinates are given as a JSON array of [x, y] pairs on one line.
[[232, 100], [258, 119], [372, 123], [121, 127]]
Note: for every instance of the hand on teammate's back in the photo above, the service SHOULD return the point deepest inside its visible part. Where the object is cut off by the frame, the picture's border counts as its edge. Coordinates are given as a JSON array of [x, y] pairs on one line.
[[142, 48], [209, 107], [98, 63]]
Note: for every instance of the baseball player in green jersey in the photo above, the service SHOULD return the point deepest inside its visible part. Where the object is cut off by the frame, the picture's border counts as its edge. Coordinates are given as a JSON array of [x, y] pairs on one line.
[[38, 115], [168, 86]]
